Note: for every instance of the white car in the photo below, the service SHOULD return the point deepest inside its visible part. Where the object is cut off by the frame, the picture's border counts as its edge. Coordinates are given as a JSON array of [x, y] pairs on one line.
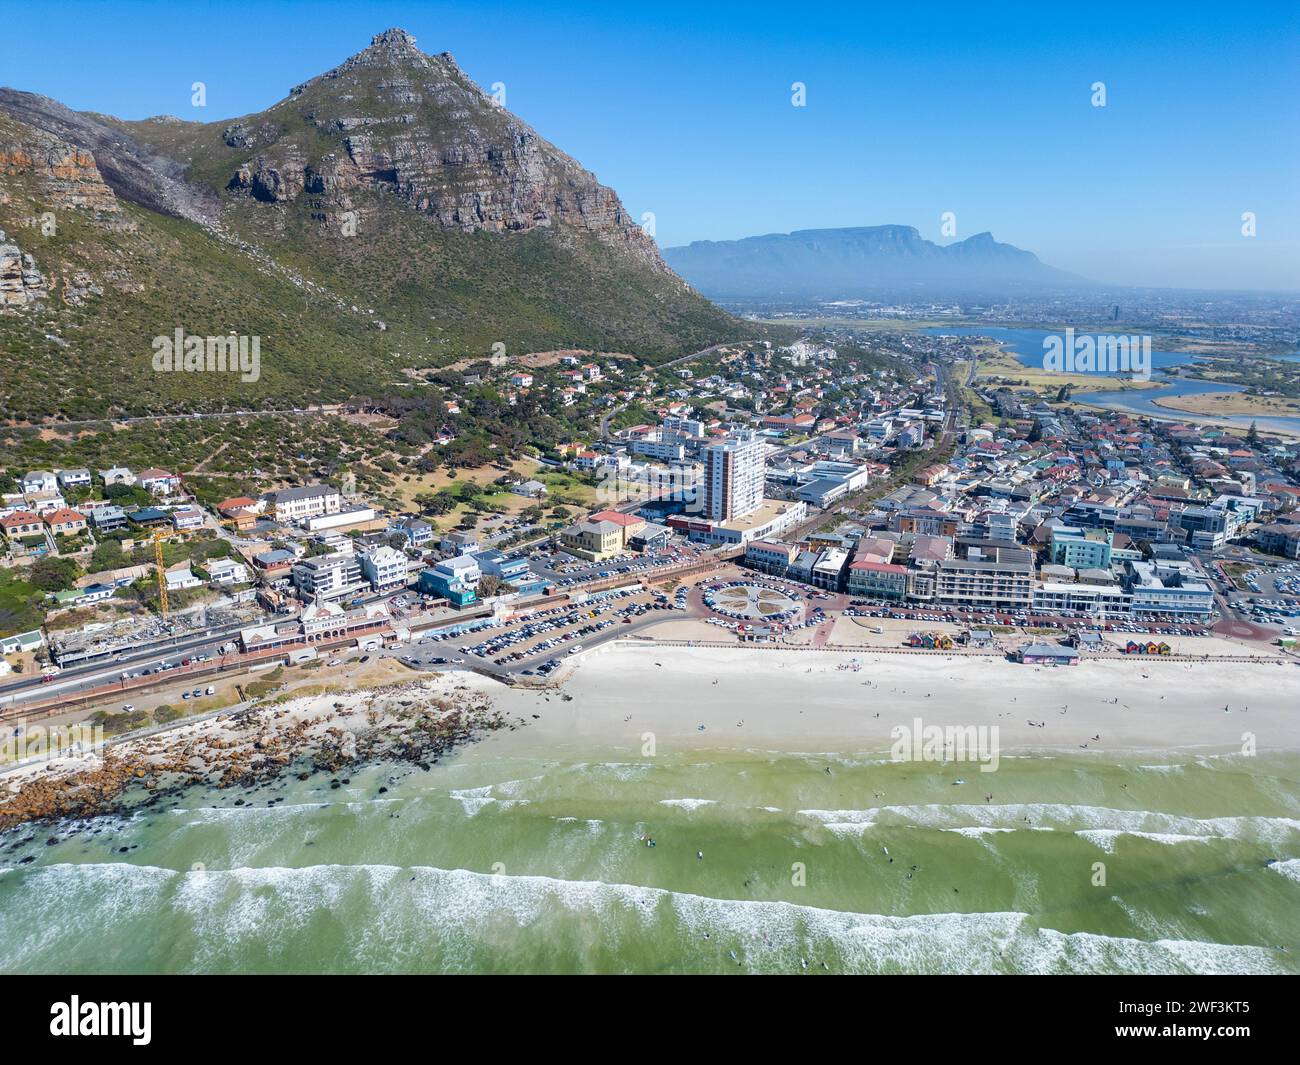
[[127, 707]]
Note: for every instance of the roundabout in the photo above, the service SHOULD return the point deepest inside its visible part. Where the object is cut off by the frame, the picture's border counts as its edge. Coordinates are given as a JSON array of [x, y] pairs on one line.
[[750, 601]]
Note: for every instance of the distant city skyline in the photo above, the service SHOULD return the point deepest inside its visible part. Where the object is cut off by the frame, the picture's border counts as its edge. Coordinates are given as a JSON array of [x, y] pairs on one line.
[[908, 117]]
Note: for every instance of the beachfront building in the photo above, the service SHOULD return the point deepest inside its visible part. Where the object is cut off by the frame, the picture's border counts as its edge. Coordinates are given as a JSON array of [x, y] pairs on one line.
[[593, 540], [1001, 578], [1096, 600], [1047, 654], [767, 522], [368, 626], [877, 580], [629, 524], [1164, 586], [384, 567], [1279, 539], [828, 570]]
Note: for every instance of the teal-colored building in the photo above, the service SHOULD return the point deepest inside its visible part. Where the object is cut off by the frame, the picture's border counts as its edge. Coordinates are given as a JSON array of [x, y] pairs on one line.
[[1081, 549]]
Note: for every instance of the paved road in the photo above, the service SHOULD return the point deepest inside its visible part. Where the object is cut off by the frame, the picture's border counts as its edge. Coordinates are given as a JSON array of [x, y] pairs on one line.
[[83, 678]]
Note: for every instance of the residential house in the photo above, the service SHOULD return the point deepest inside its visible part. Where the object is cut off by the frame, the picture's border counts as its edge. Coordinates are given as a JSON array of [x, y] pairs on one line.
[[415, 531], [108, 519], [187, 518], [159, 482], [65, 522], [226, 571], [21, 524], [78, 478], [117, 475], [38, 481]]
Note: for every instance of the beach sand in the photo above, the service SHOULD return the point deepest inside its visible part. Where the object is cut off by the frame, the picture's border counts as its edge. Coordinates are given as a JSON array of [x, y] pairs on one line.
[[802, 701]]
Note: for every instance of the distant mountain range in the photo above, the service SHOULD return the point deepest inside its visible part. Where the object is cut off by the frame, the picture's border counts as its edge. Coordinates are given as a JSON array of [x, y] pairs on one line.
[[868, 262], [386, 215]]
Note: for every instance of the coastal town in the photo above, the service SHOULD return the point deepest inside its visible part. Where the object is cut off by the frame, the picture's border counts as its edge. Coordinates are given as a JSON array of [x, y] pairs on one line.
[[789, 496]]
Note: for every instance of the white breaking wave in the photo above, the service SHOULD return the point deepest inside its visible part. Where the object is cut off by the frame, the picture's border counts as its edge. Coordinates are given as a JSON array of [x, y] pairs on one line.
[[423, 918], [1289, 868], [688, 804], [1105, 837], [1066, 817]]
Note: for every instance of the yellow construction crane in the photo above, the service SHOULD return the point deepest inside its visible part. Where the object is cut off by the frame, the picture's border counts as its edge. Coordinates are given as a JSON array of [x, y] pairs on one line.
[[158, 537]]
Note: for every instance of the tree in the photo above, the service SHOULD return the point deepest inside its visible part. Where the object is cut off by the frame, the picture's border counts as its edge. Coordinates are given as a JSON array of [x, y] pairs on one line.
[[107, 555], [52, 574], [1252, 434]]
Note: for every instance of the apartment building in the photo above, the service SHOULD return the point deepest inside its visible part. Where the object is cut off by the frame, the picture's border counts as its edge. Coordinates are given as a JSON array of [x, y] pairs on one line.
[[877, 580], [327, 576], [306, 501], [733, 477], [997, 577]]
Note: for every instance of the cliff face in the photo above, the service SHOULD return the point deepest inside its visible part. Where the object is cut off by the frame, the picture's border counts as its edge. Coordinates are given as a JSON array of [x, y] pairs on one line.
[[45, 180], [395, 118], [67, 175], [20, 282]]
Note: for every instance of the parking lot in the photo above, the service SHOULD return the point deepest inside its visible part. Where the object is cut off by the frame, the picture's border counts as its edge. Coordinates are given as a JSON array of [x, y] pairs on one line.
[[1264, 590], [536, 643], [568, 570]]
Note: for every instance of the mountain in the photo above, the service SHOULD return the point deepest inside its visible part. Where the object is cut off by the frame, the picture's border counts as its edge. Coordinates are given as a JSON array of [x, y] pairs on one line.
[[861, 263], [385, 216]]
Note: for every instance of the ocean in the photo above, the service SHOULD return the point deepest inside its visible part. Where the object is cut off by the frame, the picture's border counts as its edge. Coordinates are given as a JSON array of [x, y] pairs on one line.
[[520, 857]]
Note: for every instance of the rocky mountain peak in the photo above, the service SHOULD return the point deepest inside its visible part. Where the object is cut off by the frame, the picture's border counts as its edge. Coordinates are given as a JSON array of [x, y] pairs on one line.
[[395, 40]]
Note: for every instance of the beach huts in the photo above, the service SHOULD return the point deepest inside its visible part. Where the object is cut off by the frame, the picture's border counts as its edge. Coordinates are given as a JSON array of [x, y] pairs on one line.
[[1147, 647], [930, 641]]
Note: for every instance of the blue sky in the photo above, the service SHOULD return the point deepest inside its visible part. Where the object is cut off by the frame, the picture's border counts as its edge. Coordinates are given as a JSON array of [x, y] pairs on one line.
[[912, 110]]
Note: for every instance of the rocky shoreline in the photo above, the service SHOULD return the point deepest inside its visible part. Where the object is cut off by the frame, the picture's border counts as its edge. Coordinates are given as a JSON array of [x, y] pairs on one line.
[[413, 725]]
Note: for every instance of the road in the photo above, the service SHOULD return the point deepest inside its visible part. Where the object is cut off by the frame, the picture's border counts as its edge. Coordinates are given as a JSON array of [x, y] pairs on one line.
[[82, 678], [58, 423]]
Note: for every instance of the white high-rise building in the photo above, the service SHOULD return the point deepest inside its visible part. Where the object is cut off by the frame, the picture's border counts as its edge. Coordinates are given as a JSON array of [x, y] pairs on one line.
[[733, 477]]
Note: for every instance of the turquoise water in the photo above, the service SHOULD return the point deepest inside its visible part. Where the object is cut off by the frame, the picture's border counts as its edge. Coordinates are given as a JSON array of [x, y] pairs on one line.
[[1027, 344], [508, 859]]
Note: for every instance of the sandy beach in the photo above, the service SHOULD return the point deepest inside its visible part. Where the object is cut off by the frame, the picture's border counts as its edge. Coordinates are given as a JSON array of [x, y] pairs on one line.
[[645, 699], [805, 701]]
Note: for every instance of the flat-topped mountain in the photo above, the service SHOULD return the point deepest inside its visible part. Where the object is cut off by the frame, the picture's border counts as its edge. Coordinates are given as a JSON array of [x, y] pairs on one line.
[[858, 263]]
